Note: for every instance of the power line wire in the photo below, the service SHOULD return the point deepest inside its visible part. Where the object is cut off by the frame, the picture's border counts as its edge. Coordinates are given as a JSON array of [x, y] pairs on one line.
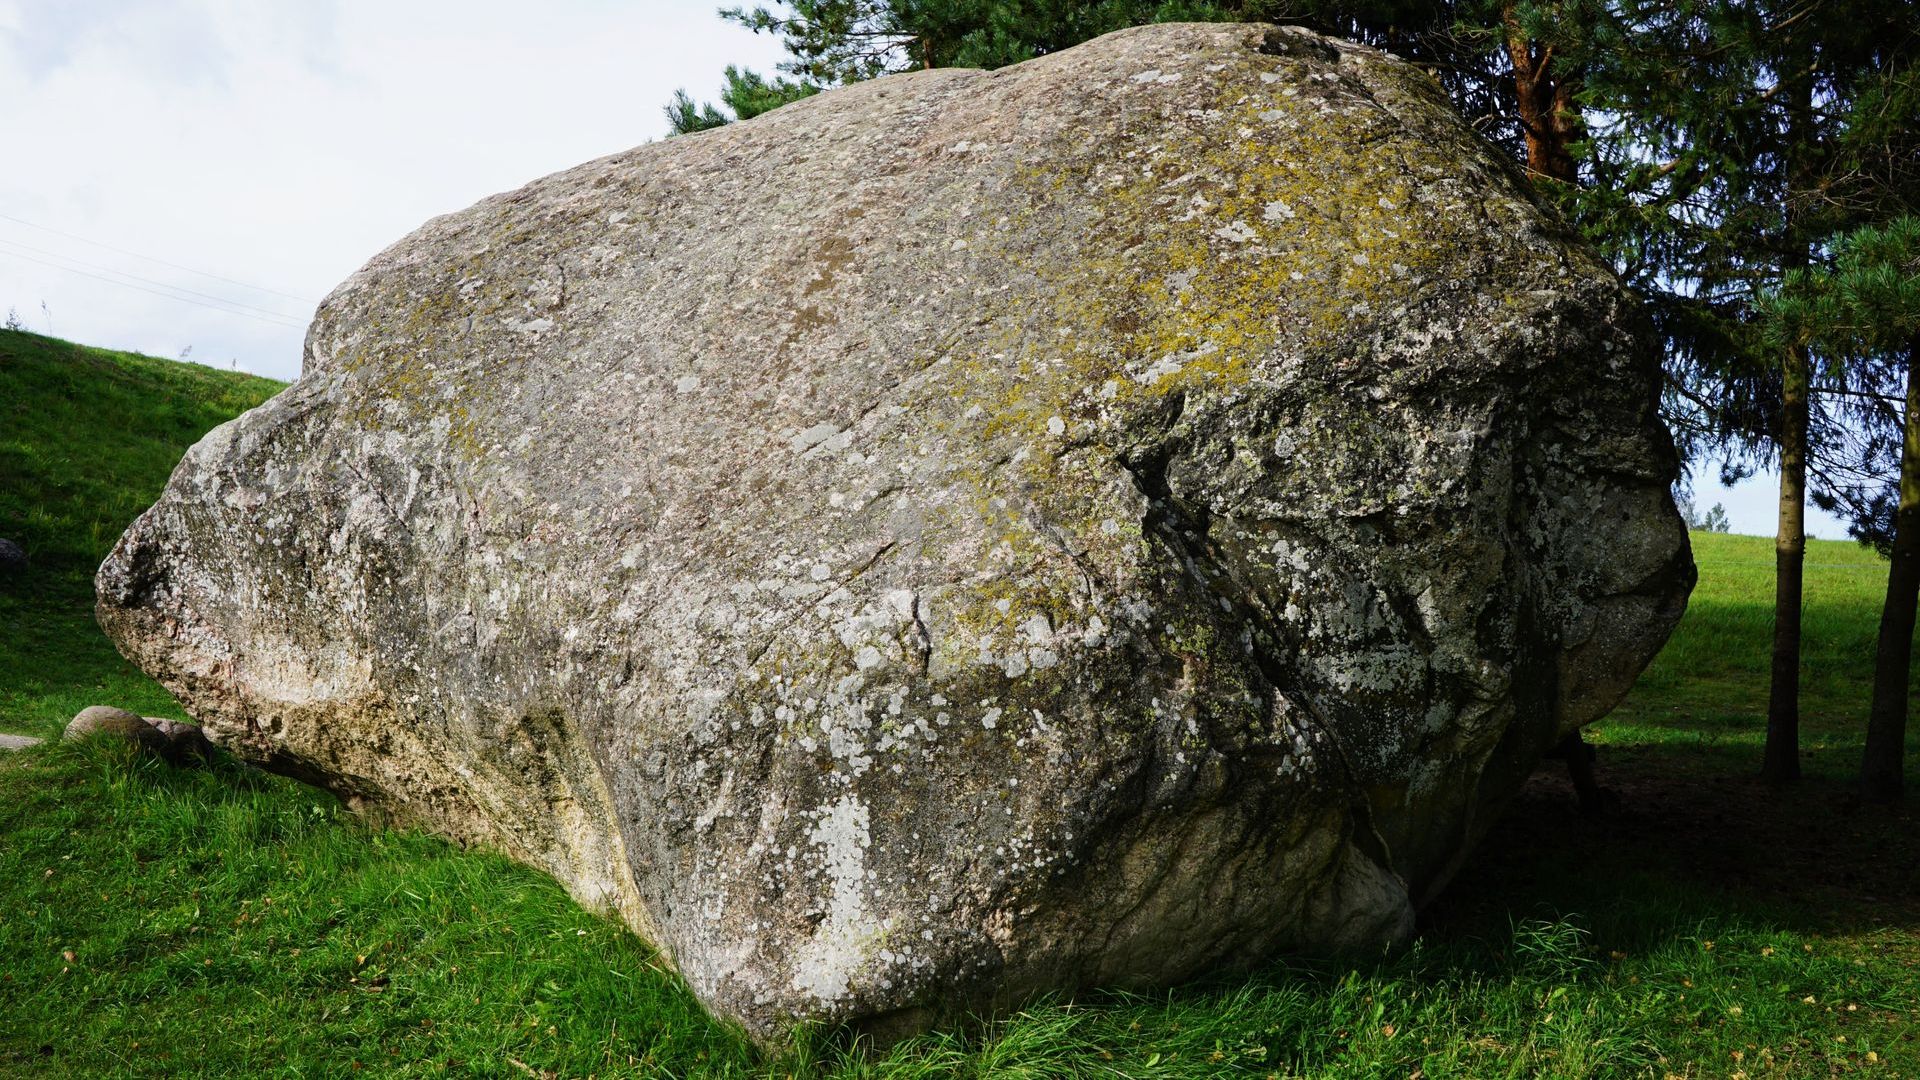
[[152, 259], [156, 292], [145, 280]]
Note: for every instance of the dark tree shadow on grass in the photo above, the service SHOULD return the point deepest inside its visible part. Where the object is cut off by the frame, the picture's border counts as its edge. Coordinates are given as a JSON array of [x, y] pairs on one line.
[[1698, 824]]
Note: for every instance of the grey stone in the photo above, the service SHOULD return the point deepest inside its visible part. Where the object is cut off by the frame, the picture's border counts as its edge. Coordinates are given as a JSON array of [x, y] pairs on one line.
[[186, 743], [960, 535], [13, 557], [106, 720], [18, 742]]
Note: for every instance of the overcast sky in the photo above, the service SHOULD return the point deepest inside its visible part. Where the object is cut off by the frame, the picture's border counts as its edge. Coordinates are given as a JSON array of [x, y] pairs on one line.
[[280, 145], [244, 157]]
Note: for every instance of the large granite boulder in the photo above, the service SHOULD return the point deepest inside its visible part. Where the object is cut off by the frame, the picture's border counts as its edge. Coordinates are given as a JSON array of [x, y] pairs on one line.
[[959, 535]]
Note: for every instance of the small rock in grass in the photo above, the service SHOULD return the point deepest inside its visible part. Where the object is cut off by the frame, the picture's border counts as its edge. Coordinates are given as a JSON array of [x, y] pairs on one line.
[[18, 742], [13, 557], [186, 743], [119, 723]]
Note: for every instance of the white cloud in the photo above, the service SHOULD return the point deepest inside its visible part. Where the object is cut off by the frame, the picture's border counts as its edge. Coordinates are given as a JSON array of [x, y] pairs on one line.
[[284, 144]]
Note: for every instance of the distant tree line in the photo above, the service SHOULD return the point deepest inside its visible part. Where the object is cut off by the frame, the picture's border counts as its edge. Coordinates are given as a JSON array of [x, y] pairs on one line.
[[1751, 167], [1713, 520]]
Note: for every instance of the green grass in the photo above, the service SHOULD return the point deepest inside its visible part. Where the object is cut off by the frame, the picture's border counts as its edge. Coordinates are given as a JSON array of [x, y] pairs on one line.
[[156, 922], [87, 440], [1710, 681]]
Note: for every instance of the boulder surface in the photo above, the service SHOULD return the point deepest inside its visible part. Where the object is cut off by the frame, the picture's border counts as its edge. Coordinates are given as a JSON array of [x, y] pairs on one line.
[[955, 536]]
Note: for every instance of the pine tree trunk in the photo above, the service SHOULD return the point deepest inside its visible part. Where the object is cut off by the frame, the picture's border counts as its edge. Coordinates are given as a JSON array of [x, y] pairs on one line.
[[1781, 763], [1543, 97], [1881, 765]]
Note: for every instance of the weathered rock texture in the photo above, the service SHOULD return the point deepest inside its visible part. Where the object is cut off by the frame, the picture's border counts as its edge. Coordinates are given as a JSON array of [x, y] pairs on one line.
[[114, 723], [958, 535]]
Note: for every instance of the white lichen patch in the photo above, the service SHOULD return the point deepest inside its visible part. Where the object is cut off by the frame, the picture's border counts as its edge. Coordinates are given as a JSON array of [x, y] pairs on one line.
[[825, 965], [1276, 212], [1237, 232]]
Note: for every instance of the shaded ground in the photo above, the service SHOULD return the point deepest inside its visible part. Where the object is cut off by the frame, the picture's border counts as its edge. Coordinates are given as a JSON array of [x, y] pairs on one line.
[[1812, 853]]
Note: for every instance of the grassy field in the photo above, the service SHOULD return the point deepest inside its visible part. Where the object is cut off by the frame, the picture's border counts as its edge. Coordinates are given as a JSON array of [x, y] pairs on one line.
[[87, 439], [155, 922]]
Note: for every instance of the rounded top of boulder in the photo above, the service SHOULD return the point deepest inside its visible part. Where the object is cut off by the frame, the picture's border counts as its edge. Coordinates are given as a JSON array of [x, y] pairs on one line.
[[1257, 193]]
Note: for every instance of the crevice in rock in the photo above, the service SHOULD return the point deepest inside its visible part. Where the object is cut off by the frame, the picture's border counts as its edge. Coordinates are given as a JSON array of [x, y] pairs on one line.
[[1187, 529]]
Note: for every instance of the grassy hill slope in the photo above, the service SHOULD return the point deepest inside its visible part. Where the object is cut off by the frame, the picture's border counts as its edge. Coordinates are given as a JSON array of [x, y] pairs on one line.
[[87, 440], [1712, 676], [221, 922]]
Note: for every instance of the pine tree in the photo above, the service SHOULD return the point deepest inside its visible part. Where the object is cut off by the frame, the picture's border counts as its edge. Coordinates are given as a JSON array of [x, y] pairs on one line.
[[746, 95], [1713, 180], [1864, 310], [1877, 284], [837, 42]]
